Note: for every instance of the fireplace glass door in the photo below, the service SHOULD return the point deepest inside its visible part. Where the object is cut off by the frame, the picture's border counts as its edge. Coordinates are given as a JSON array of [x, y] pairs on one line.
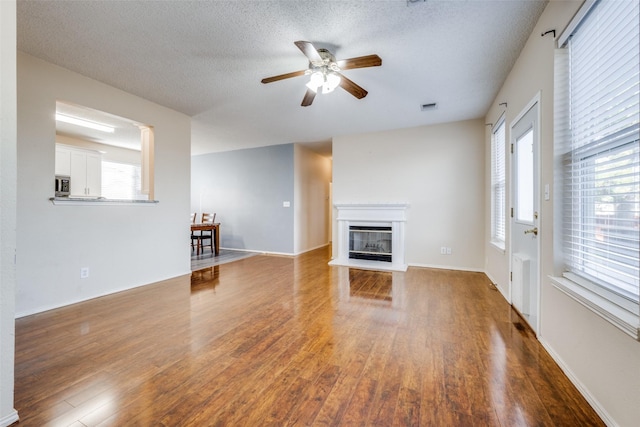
[[370, 243]]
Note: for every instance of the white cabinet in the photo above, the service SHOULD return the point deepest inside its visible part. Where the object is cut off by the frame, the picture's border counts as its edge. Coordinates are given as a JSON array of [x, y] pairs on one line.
[[84, 168], [94, 175], [63, 161]]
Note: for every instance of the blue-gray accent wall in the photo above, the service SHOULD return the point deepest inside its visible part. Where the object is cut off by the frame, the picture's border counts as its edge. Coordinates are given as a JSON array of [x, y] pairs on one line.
[[246, 189]]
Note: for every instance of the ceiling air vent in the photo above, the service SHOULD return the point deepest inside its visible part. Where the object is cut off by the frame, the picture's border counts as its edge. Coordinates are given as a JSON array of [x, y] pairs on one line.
[[430, 106]]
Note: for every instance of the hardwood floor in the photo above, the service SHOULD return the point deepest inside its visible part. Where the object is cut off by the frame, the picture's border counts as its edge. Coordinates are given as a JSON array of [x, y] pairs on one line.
[[291, 341]]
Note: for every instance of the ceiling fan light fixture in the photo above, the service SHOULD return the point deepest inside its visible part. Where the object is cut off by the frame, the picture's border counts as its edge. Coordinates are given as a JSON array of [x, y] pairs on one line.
[[317, 80], [332, 80], [324, 71], [327, 80], [326, 88]]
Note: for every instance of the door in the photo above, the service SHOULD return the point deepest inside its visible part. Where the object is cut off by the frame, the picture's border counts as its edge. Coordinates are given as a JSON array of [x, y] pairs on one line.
[[525, 218]]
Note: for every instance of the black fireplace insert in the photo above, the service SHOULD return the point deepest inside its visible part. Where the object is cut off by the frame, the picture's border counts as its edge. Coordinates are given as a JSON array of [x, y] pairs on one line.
[[370, 243]]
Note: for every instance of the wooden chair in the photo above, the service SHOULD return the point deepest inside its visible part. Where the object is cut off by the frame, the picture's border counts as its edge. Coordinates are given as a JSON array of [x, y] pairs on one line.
[[207, 218], [194, 236]]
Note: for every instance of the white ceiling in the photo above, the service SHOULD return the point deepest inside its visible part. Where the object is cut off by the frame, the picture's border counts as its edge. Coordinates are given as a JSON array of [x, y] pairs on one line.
[[206, 59]]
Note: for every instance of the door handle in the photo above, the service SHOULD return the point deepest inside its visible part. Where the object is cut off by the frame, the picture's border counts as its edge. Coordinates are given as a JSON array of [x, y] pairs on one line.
[[534, 231]]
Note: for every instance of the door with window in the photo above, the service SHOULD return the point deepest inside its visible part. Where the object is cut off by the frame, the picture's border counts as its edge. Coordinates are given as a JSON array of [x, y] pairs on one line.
[[525, 218]]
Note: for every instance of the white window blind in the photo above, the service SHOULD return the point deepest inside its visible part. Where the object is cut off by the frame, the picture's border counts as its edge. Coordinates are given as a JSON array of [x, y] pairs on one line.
[[121, 181], [498, 191], [601, 194]]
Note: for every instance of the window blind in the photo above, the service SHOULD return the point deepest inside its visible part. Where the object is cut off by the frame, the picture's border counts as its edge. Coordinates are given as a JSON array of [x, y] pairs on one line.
[[602, 168], [498, 190], [121, 181]]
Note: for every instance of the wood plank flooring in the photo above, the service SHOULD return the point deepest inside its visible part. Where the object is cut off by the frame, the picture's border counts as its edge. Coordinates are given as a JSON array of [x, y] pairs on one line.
[[275, 341]]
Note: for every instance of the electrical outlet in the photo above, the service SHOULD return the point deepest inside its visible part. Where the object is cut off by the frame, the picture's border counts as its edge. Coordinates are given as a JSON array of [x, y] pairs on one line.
[[448, 251], [84, 272]]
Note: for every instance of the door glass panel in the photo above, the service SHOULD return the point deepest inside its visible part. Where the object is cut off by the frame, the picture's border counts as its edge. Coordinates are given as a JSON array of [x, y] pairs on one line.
[[524, 177]]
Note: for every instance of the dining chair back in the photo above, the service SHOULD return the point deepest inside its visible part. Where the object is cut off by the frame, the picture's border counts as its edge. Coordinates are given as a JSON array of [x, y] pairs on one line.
[[207, 235], [208, 218], [194, 234]]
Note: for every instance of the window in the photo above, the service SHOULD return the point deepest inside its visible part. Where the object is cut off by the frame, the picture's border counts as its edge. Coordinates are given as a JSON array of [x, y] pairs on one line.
[[601, 166], [498, 201], [524, 178], [122, 181]]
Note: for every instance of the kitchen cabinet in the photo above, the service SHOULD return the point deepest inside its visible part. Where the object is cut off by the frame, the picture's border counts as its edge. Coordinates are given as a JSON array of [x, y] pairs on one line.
[[84, 168], [63, 160]]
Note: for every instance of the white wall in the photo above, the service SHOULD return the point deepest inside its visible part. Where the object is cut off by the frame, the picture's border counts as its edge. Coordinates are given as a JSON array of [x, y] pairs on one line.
[[123, 246], [439, 170], [312, 177], [8, 113], [246, 189], [601, 360]]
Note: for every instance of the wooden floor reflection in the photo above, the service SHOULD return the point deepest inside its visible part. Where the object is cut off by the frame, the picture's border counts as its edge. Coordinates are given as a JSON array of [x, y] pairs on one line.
[[291, 341]]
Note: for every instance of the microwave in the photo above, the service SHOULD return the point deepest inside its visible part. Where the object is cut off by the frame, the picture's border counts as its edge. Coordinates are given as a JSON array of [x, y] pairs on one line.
[[63, 185]]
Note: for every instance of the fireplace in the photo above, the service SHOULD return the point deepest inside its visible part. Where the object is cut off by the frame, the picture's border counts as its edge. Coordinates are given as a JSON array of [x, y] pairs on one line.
[[371, 236], [371, 243]]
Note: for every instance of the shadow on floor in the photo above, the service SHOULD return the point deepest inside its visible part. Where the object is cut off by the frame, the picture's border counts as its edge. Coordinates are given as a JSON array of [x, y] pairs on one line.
[[208, 259]]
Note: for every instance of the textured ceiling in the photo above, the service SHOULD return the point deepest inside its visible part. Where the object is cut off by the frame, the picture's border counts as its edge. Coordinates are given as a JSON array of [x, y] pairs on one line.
[[206, 59]]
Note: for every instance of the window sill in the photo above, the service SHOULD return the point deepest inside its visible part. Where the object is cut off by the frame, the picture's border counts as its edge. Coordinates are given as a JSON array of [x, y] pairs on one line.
[[623, 319], [81, 201], [498, 245]]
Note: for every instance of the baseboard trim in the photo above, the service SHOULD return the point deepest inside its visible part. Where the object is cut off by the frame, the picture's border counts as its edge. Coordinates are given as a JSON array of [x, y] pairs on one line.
[[9, 419], [288, 254], [446, 267], [584, 391], [285, 254], [503, 292], [312, 249]]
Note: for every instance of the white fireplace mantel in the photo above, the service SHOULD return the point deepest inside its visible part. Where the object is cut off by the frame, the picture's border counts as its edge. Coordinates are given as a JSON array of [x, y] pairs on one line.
[[372, 214]]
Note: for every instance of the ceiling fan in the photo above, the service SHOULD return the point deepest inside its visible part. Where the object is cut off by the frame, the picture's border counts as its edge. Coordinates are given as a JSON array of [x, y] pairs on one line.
[[325, 72]]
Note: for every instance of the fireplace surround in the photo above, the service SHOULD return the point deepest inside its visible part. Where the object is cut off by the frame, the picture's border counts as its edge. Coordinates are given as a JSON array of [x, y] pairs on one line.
[[371, 236]]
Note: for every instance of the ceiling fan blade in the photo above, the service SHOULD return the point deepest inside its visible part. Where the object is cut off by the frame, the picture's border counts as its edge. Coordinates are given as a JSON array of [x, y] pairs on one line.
[[360, 62], [308, 98], [283, 76], [352, 88], [309, 51]]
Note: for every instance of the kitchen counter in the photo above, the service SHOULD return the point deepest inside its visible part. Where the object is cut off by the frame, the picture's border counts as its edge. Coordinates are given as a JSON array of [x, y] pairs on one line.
[[100, 201]]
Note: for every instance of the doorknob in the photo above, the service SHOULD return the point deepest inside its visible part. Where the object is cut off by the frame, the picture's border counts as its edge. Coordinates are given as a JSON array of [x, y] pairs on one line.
[[534, 230]]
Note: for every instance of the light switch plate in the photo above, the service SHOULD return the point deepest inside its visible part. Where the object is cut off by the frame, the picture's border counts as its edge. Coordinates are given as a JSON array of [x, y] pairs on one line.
[[286, 204], [546, 192]]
